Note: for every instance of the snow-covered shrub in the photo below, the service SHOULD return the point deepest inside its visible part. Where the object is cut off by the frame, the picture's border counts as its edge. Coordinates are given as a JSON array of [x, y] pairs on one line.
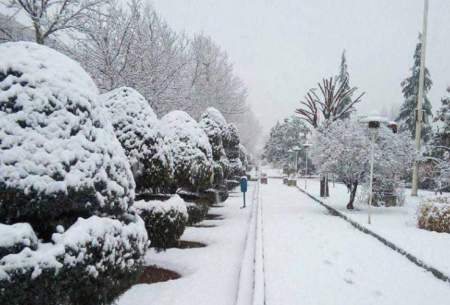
[[14, 238], [231, 145], [196, 212], [434, 214], [136, 127], [244, 156], [164, 220], [91, 263], [190, 150], [59, 157], [215, 126]]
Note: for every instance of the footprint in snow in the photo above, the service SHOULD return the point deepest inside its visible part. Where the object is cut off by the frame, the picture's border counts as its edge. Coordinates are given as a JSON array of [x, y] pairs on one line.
[[348, 281]]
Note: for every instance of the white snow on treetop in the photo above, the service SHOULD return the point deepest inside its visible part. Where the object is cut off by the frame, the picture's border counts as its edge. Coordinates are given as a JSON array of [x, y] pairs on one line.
[[215, 115], [175, 203], [185, 136], [135, 125], [52, 134]]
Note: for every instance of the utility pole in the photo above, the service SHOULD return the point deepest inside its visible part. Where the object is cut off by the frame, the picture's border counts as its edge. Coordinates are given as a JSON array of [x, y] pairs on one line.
[[415, 177]]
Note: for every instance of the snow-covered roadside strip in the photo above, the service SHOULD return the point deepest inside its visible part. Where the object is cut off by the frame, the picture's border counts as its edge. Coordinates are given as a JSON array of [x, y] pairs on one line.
[[437, 273], [251, 276]]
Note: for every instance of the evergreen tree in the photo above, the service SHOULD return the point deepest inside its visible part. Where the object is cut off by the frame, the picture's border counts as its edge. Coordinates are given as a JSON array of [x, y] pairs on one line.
[[410, 89], [283, 137], [442, 135], [343, 78]]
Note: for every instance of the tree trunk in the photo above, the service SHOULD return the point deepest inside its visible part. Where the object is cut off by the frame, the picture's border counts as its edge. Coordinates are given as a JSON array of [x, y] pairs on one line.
[[353, 188], [324, 189]]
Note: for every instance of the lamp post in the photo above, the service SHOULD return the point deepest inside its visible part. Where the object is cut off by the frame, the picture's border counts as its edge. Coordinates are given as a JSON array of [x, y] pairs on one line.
[[306, 146], [373, 123]]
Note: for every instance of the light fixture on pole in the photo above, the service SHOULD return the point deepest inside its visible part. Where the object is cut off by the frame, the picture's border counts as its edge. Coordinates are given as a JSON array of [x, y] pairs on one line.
[[373, 123], [306, 146]]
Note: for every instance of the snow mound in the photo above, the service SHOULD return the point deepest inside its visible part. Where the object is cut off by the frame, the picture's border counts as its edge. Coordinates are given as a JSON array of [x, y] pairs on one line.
[[13, 238], [136, 126], [175, 203], [56, 145]]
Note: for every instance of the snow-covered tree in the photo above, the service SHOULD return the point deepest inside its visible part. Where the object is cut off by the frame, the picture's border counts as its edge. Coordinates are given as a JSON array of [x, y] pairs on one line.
[[190, 149], [334, 102], [216, 127], [231, 146], [63, 173], [410, 89], [283, 137], [51, 16], [343, 148], [59, 154], [137, 129], [343, 79], [213, 82]]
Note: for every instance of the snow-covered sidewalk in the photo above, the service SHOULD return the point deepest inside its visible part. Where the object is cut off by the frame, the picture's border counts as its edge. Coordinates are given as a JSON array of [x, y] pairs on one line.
[[209, 275], [312, 257], [396, 224]]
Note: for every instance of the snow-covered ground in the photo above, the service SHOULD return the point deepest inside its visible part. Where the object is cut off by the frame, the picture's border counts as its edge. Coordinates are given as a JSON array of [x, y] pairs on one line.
[[210, 275], [312, 257], [396, 224]]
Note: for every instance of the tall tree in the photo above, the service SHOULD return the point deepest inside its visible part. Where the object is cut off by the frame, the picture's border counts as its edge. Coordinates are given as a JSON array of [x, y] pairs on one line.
[[343, 79], [50, 16], [410, 90]]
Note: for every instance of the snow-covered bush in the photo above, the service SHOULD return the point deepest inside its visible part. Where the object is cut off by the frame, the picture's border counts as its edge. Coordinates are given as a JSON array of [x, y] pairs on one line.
[[14, 238], [434, 214], [231, 145], [59, 157], [164, 220], [136, 127], [190, 150], [196, 212], [244, 156], [91, 263]]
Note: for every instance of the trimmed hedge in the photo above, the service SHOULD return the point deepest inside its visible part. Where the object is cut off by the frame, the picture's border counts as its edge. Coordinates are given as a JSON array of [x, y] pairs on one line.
[[434, 214], [92, 263], [196, 211], [165, 221]]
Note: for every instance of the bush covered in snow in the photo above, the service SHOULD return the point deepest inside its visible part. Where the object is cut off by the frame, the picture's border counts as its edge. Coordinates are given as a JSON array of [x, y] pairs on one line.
[[434, 214], [196, 211], [190, 149], [215, 126], [164, 220], [91, 263], [231, 145], [136, 127], [60, 158]]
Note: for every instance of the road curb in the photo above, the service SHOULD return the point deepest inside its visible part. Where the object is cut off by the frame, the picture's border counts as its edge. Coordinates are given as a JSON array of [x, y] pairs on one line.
[[418, 262]]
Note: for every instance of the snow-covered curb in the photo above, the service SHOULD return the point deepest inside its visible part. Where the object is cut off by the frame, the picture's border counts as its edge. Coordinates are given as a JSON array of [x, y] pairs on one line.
[[437, 273]]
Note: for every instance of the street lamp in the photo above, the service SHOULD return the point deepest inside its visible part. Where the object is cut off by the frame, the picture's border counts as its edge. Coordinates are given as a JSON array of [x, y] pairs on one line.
[[306, 146], [373, 122]]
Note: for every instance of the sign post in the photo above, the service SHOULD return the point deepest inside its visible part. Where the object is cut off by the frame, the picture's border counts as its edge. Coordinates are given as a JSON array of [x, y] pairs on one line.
[[243, 183]]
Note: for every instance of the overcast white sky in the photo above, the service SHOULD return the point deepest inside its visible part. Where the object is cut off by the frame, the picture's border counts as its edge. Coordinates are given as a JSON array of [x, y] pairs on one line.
[[280, 48]]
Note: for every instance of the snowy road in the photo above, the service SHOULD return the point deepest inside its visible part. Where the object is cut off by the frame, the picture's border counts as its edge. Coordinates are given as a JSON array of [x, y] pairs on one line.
[[312, 257]]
